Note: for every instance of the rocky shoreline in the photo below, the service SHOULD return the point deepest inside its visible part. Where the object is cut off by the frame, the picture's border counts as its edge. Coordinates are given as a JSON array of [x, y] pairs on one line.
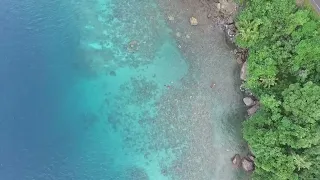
[[210, 122], [227, 10], [250, 101]]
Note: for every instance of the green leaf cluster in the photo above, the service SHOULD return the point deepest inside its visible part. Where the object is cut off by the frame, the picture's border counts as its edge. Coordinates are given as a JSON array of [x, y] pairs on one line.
[[284, 43], [284, 73], [284, 134]]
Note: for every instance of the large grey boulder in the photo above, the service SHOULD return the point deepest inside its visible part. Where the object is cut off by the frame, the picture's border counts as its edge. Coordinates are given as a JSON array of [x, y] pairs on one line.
[[248, 101], [236, 160], [253, 109], [247, 165], [243, 72]]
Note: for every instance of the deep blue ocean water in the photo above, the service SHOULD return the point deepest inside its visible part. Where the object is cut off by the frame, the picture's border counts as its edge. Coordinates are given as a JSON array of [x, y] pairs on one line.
[[72, 93], [38, 40]]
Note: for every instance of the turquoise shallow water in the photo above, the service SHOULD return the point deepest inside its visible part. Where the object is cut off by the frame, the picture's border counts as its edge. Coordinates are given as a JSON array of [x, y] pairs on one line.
[[79, 99], [127, 59]]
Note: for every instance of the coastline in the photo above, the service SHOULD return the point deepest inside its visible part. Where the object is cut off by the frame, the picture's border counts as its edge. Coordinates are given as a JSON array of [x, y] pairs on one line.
[[208, 118]]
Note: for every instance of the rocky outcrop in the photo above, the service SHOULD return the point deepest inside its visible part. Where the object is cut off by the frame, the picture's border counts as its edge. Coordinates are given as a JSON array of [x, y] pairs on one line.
[[243, 72], [253, 109], [229, 21], [247, 165], [230, 34], [248, 101], [230, 31], [251, 102], [245, 90], [193, 21], [236, 160], [241, 55]]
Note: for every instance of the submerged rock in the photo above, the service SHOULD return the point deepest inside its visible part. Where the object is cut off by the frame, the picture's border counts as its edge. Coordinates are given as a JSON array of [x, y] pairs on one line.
[[243, 72], [236, 160], [112, 73], [171, 18], [230, 41], [247, 165], [193, 21], [231, 29], [133, 46], [248, 101], [230, 36]]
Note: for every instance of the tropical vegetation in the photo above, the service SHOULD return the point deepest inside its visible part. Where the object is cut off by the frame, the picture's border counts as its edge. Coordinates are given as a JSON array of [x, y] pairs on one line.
[[284, 73]]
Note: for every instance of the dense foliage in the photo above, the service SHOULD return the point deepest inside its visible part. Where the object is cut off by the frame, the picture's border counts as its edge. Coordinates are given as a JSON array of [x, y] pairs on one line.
[[284, 73]]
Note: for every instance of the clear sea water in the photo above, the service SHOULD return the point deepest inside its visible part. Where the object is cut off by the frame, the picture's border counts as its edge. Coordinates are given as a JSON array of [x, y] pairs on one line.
[[79, 84]]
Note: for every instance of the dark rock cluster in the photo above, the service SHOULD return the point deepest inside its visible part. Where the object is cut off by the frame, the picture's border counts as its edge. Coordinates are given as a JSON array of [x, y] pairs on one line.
[[246, 163]]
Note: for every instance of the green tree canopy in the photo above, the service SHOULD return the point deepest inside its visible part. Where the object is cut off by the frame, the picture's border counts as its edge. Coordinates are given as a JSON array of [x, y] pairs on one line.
[[284, 73]]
